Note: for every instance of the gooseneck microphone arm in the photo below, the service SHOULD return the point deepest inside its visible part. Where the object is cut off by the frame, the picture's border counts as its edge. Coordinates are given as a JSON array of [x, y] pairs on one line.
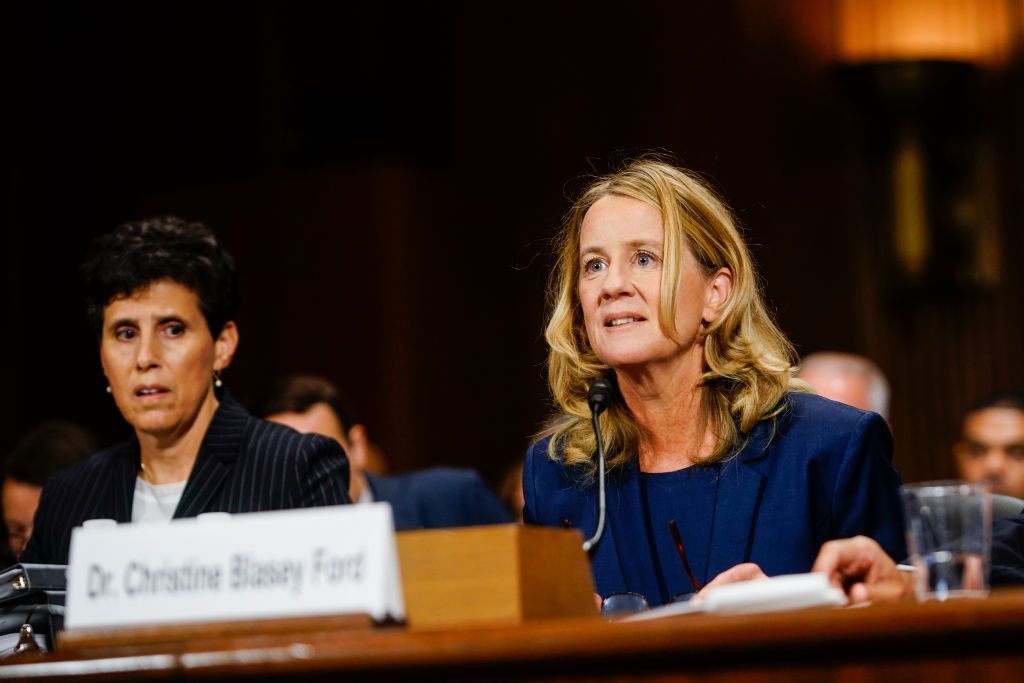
[[599, 396]]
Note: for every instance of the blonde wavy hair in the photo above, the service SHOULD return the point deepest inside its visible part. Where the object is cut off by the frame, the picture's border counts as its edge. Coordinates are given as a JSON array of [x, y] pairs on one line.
[[748, 362]]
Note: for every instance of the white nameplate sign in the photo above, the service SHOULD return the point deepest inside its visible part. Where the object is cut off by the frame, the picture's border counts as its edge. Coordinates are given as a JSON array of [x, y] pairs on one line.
[[317, 561]]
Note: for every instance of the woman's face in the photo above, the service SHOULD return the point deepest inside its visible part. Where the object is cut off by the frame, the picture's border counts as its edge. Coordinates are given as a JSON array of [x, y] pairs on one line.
[[621, 256], [159, 357]]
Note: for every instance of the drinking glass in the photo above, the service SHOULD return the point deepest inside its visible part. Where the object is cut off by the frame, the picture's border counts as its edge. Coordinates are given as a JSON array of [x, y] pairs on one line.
[[949, 535]]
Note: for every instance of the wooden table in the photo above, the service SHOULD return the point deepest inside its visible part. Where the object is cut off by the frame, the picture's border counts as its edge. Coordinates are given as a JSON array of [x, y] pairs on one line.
[[967, 640]]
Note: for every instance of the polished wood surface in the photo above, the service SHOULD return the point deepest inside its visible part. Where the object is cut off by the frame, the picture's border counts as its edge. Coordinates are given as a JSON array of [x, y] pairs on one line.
[[970, 640], [173, 634], [493, 576]]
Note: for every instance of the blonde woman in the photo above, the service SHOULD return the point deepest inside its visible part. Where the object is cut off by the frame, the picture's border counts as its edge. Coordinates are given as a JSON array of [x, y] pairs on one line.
[[707, 431]]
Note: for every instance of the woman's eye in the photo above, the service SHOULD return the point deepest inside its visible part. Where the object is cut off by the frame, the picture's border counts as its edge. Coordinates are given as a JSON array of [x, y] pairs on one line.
[[645, 260], [593, 266], [124, 333], [175, 330]]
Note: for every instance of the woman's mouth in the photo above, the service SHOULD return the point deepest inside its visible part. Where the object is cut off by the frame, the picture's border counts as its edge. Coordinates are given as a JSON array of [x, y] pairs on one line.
[[151, 390], [625, 320]]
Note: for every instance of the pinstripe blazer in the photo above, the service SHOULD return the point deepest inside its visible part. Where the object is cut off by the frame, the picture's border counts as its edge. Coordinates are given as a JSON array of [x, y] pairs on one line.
[[244, 465]]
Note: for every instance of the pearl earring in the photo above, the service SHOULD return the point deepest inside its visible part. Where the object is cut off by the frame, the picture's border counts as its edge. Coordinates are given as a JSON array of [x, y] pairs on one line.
[[216, 379], [109, 390]]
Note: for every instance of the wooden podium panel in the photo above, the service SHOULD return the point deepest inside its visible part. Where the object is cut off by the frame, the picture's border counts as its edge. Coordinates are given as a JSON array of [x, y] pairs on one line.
[[493, 575]]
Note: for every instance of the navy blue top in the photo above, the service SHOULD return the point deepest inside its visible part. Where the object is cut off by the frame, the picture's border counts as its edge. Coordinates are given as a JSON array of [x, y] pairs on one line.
[[821, 470], [688, 497]]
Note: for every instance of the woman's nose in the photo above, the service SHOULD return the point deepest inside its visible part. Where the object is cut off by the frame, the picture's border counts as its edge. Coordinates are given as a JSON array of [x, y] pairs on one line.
[[148, 351], [616, 282]]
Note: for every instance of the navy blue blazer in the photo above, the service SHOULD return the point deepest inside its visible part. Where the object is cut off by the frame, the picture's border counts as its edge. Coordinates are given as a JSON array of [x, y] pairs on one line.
[[438, 498], [244, 465], [1008, 551], [824, 472]]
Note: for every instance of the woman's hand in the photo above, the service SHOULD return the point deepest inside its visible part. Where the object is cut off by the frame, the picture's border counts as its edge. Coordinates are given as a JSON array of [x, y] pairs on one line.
[[864, 571], [857, 565], [748, 571]]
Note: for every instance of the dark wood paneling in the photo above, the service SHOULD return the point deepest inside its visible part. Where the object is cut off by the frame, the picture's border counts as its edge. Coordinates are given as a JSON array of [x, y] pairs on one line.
[[409, 168]]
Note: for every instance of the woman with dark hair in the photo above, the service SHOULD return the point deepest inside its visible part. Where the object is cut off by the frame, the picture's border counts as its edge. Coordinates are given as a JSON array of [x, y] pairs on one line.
[[161, 297], [711, 443]]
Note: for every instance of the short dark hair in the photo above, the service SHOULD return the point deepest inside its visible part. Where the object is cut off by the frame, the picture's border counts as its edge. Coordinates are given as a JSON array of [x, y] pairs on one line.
[[299, 393], [53, 445], [1012, 398], [137, 254]]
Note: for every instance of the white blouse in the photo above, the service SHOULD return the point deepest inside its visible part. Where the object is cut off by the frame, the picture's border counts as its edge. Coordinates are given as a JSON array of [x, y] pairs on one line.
[[155, 502]]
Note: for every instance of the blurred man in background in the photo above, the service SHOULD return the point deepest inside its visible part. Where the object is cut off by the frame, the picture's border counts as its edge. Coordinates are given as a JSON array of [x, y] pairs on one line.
[[426, 499], [847, 378], [52, 446], [991, 445], [512, 491]]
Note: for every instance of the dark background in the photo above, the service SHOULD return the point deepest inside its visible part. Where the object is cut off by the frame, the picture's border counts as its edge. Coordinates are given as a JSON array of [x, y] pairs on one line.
[[388, 176]]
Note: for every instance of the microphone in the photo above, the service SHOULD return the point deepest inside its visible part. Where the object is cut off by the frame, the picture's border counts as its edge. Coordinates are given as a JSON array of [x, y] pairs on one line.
[[598, 398]]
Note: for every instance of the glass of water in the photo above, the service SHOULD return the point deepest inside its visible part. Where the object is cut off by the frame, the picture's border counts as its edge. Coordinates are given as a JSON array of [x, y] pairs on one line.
[[949, 534]]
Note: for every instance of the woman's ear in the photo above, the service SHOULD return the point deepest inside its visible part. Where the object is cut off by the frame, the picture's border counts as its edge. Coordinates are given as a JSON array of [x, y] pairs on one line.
[[225, 345], [358, 443], [719, 289]]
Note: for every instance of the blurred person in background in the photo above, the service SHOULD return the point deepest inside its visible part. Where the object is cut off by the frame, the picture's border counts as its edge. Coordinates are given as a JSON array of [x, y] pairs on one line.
[[847, 378], [434, 498], [512, 491], [991, 445], [161, 297], [52, 446]]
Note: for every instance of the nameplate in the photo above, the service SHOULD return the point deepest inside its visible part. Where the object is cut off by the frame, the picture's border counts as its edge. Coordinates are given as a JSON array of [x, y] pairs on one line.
[[317, 561]]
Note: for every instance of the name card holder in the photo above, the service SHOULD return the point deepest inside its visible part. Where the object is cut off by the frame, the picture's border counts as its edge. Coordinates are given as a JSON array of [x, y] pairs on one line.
[[320, 564]]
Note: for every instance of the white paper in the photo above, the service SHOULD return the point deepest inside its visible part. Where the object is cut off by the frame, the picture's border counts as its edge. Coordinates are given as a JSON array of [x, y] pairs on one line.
[[776, 594]]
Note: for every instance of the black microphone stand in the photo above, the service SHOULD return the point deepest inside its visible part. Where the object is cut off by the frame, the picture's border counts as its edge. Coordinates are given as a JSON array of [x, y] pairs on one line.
[[598, 398]]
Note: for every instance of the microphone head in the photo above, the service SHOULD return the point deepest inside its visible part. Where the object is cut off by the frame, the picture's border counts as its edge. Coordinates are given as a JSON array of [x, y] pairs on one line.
[[600, 395]]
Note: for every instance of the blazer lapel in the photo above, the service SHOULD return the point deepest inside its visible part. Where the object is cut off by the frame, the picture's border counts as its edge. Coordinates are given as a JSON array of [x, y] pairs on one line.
[[125, 471], [629, 554], [740, 486], [216, 457]]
